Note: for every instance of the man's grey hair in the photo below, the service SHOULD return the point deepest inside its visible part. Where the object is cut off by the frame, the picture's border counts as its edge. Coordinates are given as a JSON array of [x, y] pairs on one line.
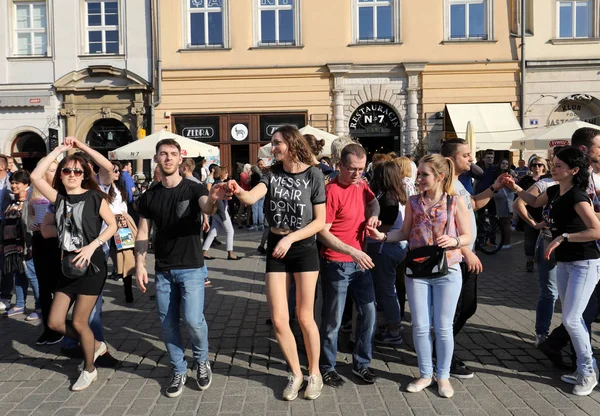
[[337, 146]]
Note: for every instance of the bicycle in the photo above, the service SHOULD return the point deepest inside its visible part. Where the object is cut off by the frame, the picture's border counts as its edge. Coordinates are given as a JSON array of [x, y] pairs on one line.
[[490, 234]]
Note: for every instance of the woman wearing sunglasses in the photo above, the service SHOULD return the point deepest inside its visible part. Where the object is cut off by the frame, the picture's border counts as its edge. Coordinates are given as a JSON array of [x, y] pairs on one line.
[[80, 209]]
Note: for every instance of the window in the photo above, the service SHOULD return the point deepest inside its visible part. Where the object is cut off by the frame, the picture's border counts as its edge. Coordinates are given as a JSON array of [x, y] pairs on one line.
[[468, 20], [278, 22], [31, 37], [574, 19], [375, 21], [206, 26], [515, 17], [102, 27]]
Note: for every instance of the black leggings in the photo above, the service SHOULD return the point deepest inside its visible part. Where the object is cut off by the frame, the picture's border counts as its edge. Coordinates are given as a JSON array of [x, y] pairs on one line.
[[46, 260]]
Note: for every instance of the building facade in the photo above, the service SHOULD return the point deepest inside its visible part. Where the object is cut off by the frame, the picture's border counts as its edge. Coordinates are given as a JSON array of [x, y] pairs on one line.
[[380, 70], [563, 62], [73, 67]]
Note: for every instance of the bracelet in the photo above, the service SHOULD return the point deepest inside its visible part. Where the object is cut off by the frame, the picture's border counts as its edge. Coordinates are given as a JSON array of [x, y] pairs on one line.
[[457, 242], [100, 242], [384, 237]]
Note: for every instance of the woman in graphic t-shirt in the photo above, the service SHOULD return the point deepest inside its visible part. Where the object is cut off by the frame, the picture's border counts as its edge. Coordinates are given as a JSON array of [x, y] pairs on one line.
[[80, 209], [295, 212], [574, 226]]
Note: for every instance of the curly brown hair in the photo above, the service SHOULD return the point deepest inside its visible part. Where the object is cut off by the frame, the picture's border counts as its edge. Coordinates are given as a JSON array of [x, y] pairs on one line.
[[298, 148]]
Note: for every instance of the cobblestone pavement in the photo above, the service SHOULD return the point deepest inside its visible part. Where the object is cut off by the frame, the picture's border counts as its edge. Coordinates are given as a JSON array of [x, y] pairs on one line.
[[513, 378]]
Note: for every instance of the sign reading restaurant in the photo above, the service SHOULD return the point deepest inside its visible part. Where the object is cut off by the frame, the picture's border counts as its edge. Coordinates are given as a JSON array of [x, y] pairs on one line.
[[374, 117]]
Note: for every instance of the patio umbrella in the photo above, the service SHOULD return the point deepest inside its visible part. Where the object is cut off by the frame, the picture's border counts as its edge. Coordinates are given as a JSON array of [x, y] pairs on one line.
[[545, 138], [265, 151], [146, 148], [470, 137]]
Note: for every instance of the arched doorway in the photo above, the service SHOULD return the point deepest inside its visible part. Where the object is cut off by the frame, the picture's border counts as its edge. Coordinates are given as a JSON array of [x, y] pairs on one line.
[[108, 134], [377, 127], [29, 147], [582, 107]]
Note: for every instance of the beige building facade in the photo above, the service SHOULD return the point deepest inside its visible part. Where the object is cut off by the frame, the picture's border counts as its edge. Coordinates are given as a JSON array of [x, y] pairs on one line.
[[382, 71]]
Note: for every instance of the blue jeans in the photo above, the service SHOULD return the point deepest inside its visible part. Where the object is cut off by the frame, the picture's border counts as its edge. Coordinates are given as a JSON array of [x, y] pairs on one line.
[[547, 297], [22, 281], [258, 214], [337, 279], [182, 290], [387, 257], [439, 297], [576, 281]]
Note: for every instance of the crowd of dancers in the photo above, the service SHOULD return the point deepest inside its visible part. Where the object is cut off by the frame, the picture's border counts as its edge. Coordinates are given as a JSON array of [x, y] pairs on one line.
[[366, 244]]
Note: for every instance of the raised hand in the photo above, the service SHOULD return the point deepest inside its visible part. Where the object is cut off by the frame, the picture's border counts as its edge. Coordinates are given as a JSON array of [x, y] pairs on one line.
[[71, 141], [234, 187], [220, 191]]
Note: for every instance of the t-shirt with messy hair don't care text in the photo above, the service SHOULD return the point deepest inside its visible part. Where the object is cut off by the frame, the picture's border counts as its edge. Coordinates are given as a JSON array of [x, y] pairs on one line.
[[291, 196]]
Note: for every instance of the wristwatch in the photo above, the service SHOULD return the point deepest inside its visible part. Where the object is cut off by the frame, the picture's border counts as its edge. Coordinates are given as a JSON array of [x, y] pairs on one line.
[[565, 237], [493, 190]]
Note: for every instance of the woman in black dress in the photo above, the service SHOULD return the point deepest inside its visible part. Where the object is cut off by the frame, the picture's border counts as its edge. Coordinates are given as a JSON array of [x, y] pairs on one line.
[[80, 209]]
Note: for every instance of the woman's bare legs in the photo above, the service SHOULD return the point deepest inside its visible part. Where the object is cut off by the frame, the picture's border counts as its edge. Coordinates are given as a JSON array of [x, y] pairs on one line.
[[306, 284], [277, 285]]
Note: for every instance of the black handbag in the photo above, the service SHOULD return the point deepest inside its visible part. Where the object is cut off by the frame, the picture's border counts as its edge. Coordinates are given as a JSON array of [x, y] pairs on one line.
[[428, 261]]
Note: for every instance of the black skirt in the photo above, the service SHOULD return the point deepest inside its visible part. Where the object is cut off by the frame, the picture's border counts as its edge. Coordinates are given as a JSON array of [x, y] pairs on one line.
[[91, 284]]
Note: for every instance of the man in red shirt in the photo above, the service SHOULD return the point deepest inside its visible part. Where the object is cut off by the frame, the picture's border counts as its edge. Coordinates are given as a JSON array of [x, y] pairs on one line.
[[351, 205]]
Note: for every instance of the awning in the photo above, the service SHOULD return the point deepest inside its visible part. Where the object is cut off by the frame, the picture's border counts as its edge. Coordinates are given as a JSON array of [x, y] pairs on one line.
[[495, 124], [25, 98]]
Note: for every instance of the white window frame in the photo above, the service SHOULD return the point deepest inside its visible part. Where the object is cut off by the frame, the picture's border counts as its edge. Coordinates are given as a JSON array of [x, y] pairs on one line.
[[593, 21], [187, 27], [86, 29], [395, 21], [257, 24], [14, 52], [489, 23]]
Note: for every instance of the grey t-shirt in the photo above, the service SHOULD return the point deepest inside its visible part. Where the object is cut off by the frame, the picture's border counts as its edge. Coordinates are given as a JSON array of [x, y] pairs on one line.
[[291, 196], [460, 190]]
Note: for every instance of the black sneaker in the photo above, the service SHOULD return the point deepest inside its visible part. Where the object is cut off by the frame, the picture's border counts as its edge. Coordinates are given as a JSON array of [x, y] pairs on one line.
[[458, 369], [175, 387], [42, 340], [366, 374], [333, 379], [54, 338], [203, 375]]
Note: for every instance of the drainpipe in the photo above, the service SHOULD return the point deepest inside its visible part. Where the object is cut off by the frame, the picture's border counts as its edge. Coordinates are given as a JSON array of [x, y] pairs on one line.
[[156, 66], [523, 69]]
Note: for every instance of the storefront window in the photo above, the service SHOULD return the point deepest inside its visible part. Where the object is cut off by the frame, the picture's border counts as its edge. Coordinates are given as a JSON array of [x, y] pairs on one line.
[[270, 123], [203, 129]]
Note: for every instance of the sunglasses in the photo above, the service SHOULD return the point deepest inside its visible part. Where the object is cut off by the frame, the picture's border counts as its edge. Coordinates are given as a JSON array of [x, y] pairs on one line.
[[68, 171], [538, 165], [116, 170]]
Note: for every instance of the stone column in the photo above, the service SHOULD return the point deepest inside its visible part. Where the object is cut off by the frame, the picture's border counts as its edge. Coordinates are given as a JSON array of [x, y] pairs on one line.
[[411, 131], [340, 120], [139, 112], [71, 122]]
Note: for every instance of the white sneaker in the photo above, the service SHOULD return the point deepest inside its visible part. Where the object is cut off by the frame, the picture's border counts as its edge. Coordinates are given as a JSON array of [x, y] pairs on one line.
[[84, 380], [585, 385], [572, 378], [97, 354], [4, 305]]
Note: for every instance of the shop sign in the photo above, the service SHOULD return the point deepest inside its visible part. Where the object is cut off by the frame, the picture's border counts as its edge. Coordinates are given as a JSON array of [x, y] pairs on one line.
[[374, 118], [270, 123], [239, 132], [198, 132], [574, 107], [204, 128], [554, 143]]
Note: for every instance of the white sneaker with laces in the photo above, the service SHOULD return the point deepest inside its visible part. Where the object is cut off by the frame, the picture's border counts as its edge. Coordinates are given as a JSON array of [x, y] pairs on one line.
[[585, 385], [97, 354], [84, 380]]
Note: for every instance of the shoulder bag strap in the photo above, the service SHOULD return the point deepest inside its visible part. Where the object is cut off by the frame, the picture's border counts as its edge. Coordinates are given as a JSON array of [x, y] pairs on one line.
[[448, 202]]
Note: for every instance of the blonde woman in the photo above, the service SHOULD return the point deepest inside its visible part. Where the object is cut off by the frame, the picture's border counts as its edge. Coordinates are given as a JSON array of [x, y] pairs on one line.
[[433, 300]]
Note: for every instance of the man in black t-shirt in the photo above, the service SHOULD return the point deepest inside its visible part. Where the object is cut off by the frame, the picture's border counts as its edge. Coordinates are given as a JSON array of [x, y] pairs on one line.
[[175, 206]]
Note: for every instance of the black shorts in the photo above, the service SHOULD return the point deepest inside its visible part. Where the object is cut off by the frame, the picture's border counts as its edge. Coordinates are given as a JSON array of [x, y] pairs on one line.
[[302, 256]]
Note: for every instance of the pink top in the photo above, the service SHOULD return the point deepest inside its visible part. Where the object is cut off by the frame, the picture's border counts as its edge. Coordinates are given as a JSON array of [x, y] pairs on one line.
[[427, 228]]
